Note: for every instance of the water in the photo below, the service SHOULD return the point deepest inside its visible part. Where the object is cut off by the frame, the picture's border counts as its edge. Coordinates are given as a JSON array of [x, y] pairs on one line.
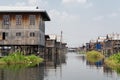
[[71, 66], [77, 68]]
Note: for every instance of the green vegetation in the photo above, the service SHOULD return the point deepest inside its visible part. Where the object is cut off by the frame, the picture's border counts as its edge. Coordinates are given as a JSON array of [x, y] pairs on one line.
[[19, 58], [82, 52], [94, 56], [113, 61]]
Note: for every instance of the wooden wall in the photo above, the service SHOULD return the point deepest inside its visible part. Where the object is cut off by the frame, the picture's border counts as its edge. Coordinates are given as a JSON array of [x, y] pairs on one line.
[[25, 30]]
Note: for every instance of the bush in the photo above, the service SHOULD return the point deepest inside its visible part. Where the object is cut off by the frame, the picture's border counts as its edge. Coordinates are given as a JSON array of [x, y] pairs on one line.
[[19, 58], [33, 58], [94, 56], [113, 60]]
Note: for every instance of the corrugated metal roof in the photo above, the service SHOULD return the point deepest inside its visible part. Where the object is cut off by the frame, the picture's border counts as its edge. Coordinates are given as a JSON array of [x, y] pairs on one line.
[[7, 9], [92, 41], [101, 38], [55, 37], [10, 8]]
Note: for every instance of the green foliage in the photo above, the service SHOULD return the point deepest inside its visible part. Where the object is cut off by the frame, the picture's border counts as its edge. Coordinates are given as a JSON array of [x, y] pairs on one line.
[[19, 58], [94, 56], [113, 60], [32, 59]]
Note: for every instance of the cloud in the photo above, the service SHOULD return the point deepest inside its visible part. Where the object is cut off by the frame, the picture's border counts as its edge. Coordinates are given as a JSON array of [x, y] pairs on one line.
[[114, 14], [111, 15], [39, 3], [20, 4], [83, 3], [62, 16], [74, 1], [88, 5], [62, 20], [98, 18], [33, 2]]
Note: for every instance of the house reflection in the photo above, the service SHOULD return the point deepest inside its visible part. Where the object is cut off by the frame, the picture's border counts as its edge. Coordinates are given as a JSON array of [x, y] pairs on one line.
[[100, 65], [97, 64], [107, 71], [32, 73], [58, 60]]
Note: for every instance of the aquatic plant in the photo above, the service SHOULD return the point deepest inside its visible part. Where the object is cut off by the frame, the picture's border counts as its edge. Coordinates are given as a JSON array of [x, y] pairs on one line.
[[94, 56], [19, 58], [113, 61]]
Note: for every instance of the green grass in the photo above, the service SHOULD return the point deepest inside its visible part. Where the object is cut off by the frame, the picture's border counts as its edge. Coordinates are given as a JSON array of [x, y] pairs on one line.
[[19, 58], [94, 56]]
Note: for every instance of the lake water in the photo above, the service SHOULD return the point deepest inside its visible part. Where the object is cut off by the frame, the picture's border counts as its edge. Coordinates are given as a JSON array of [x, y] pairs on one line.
[[71, 66]]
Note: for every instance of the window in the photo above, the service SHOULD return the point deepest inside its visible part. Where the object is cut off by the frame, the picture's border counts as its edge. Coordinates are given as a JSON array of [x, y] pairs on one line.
[[18, 34], [18, 19], [32, 34], [6, 19], [4, 35], [32, 19]]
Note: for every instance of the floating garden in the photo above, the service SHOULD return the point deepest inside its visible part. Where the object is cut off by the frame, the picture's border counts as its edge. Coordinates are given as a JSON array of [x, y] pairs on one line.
[[19, 58], [114, 62], [94, 56]]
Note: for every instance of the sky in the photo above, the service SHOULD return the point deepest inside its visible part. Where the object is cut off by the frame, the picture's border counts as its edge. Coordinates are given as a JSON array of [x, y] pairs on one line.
[[80, 20]]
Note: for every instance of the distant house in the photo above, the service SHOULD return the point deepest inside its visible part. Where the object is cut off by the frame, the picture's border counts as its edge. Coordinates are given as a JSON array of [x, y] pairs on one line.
[[109, 44], [112, 43], [54, 46], [51, 45], [23, 29], [100, 43]]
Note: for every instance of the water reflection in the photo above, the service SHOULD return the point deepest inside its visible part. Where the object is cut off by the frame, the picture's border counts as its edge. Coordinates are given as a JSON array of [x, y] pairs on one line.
[[77, 67], [69, 66], [32, 73], [107, 71], [97, 64], [38, 72], [56, 61]]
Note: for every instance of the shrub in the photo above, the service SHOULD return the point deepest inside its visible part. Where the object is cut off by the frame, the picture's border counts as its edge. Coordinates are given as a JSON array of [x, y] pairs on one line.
[[19, 58], [113, 60], [94, 56]]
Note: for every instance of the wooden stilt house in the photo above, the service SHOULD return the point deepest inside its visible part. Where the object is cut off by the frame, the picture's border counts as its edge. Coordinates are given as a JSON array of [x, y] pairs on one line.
[[22, 29]]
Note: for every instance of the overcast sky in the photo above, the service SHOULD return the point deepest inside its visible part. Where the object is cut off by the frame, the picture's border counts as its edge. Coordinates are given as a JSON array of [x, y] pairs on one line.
[[80, 20]]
